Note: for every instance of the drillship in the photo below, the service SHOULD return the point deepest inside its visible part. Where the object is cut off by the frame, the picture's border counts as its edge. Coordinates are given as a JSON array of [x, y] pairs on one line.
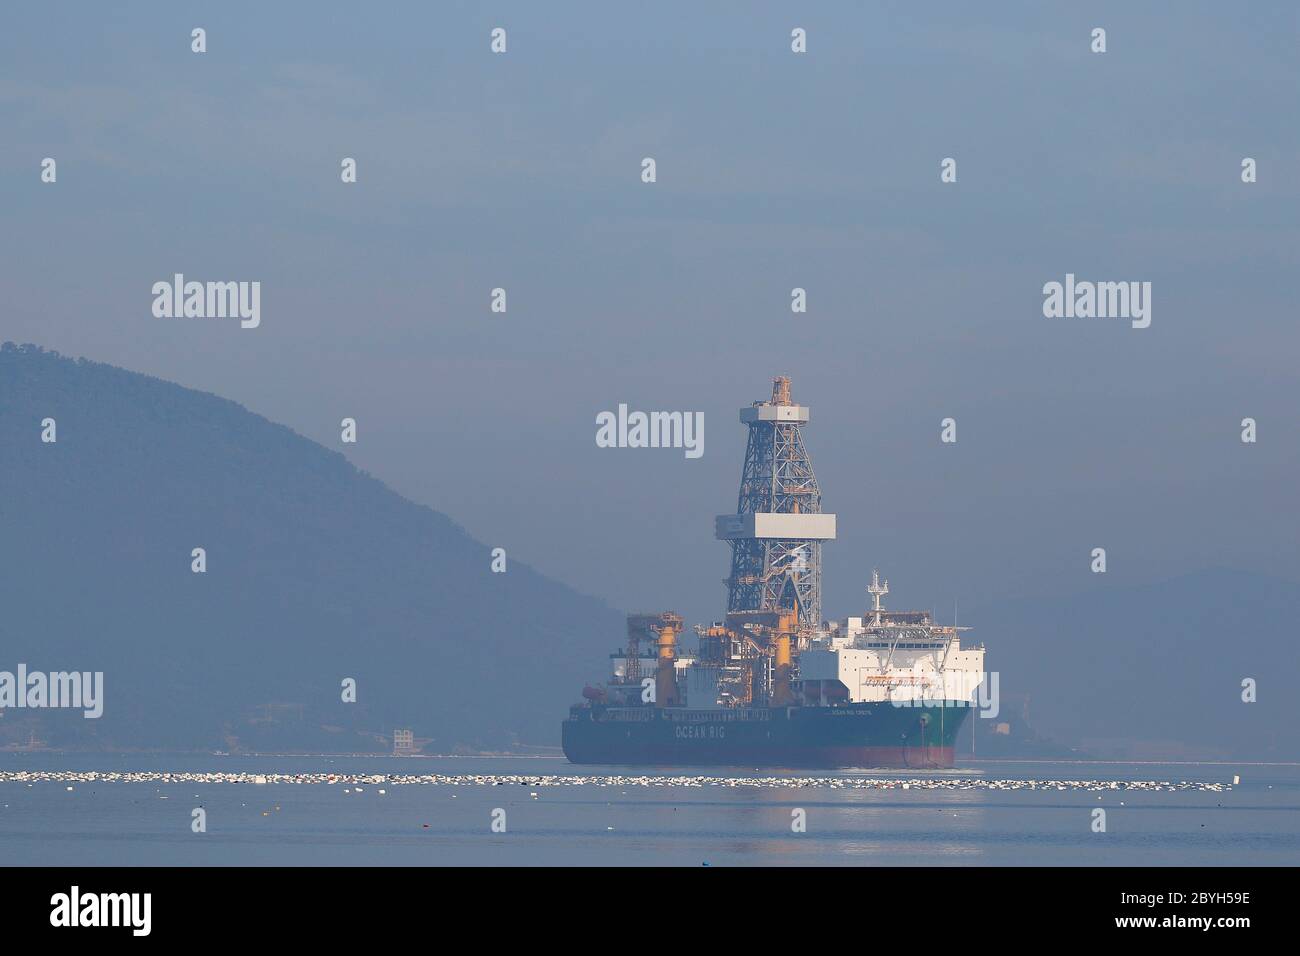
[[773, 685]]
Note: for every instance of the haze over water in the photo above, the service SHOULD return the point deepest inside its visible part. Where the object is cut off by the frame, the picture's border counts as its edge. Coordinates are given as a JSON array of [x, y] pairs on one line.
[[97, 823]]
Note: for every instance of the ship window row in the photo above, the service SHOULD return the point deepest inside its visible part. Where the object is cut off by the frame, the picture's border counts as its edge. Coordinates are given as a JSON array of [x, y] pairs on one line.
[[714, 716], [631, 713], [887, 646]]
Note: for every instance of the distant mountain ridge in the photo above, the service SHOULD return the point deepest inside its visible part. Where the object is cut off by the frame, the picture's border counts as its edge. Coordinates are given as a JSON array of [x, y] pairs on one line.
[[316, 572]]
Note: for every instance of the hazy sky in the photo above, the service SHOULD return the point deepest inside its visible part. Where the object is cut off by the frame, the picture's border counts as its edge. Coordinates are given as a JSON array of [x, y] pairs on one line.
[[775, 170]]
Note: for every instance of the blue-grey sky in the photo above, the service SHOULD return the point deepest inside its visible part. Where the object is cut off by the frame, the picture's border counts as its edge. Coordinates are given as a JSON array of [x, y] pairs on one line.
[[775, 170]]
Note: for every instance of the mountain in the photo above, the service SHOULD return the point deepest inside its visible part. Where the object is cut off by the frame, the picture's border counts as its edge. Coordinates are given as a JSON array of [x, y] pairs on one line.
[[1155, 672], [316, 572]]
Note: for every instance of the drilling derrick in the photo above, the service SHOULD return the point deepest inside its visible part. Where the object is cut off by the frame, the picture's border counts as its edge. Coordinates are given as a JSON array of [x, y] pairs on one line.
[[777, 531]]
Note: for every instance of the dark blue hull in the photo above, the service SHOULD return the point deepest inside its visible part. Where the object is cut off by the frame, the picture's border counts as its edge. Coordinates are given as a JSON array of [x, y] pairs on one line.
[[876, 734]]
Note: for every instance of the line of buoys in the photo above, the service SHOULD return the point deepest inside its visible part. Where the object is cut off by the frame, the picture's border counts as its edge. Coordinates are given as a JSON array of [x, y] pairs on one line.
[[31, 777]]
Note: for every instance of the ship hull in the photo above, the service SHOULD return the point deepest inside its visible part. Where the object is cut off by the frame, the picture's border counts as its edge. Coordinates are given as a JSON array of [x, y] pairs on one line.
[[864, 735]]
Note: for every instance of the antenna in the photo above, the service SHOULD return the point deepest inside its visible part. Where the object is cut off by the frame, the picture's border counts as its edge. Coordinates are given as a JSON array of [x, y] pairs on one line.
[[877, 591]]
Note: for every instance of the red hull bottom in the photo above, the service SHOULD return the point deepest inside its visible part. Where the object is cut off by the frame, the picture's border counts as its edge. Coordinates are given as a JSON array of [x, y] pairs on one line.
[[861, 758], [901, 758]]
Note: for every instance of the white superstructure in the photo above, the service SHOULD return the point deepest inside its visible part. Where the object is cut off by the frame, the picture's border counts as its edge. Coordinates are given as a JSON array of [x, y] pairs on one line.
[[891, 655]]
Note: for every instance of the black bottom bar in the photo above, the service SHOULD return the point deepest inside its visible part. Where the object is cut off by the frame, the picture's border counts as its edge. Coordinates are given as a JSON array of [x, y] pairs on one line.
[[528, 906]]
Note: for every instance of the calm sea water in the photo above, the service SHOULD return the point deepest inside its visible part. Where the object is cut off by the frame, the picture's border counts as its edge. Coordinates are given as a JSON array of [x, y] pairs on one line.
[[1256, 823]]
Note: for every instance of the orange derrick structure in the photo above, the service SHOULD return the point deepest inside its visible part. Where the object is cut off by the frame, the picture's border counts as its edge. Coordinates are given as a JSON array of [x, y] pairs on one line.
[[661, 630], [768, 636], [666, 692]]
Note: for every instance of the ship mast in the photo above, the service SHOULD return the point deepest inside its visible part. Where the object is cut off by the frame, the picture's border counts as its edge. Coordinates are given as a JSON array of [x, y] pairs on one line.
[[877, 591]]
